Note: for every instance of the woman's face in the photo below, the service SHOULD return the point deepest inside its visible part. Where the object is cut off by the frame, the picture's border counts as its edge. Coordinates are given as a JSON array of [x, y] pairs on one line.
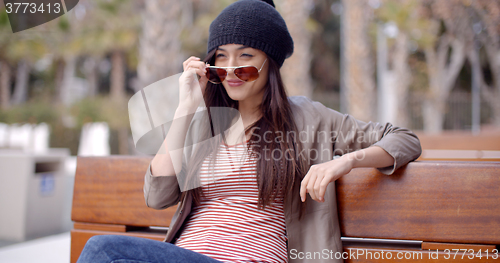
[[233, 55]]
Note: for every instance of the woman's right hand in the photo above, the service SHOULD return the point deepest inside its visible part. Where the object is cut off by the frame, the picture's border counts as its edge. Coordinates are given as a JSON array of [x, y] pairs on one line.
[[190, 93]]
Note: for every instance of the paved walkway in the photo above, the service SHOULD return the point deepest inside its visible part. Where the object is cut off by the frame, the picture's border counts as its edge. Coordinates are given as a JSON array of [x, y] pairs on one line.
[[51, 249]]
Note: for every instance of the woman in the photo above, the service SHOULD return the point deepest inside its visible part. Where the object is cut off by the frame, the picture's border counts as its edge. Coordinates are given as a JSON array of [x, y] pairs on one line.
[[256, 193]]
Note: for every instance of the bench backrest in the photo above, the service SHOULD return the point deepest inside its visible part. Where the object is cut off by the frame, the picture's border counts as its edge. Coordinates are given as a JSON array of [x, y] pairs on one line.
[[460, 146], [454, 140], [429, 201], [109, 190], [454, 202]]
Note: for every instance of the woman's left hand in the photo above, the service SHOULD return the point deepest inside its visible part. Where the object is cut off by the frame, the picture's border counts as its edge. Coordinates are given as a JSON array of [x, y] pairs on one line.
[[320, 175]]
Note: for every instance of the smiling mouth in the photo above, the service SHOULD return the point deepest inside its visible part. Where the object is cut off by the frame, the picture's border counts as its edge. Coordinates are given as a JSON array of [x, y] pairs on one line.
[[235, 83]]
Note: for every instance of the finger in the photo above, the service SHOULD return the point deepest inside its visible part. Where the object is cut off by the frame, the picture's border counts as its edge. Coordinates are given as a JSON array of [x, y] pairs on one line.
[[205, 70], [303, 189], [184, 64], [303, 186], [202, 71], [196, 65], [322, 188], [310, 187], [189, 60], [317, 186]]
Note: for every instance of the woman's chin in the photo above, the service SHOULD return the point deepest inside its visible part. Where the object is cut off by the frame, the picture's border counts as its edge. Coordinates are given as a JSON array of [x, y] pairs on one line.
[[243, 92], [237, 97], [236, 93]]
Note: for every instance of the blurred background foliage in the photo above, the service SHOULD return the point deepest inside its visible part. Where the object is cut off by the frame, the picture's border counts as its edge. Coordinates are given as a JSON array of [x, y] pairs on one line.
[[84, 66]]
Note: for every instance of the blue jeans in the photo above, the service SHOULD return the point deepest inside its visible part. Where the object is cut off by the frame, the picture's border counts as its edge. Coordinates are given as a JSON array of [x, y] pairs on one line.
[[125, 249]]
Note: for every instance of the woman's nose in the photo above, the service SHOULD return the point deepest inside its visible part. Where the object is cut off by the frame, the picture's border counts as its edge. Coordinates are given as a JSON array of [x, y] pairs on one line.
[[230, 71]]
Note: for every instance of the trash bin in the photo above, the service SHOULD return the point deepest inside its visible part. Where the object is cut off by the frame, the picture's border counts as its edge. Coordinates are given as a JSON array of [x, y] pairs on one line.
[[33, 188]]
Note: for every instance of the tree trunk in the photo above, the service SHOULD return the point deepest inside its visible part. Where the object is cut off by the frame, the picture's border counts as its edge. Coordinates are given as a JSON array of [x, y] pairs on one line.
[[59, 79], [446, 60], [91, 73], [296, 70], [493, 98], [433, 113], [65, 95], [5, 82], [403, 79], [117, 90], [123, 141], [443, 69], [160, 53], [476, 80], [358, 63], [160, 48], [22, 78], [393, 83], [492, 95], [118, 95]]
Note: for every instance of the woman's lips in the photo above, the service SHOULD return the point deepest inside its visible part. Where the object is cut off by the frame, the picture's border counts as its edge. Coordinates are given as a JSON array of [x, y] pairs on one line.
[[235, 83]]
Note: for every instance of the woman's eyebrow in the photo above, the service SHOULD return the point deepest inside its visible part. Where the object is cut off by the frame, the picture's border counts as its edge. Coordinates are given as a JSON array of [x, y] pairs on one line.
[[242, 47]]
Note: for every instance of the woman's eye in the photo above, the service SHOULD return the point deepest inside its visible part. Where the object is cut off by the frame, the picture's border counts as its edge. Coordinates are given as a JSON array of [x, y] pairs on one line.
[[220, 55], [246, 55]]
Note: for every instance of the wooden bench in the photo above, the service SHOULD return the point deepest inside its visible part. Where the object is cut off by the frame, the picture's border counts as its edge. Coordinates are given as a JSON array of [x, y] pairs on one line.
[[423, 209], [460, 146]]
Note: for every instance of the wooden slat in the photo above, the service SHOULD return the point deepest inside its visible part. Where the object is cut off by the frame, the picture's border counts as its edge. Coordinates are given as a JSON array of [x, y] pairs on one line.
[[460, 141], [443, 246], [460, 155], [100, 227], [362, 254], [446, 158], [80, 237], [449, 202], [109, 190]]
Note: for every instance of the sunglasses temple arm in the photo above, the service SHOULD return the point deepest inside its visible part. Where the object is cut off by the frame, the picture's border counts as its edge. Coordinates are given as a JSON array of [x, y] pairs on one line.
[[262, 65]]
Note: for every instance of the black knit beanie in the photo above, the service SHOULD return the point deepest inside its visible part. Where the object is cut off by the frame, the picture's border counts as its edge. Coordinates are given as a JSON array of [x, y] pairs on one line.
[[252, 23]]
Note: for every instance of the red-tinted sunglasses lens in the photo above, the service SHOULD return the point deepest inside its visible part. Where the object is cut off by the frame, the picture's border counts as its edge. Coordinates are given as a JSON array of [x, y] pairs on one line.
[[249, 73], [246, 73], [216, 75]]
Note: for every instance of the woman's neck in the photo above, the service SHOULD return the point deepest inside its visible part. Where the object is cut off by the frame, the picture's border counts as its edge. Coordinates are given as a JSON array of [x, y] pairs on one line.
[[250, 112], [248, 115]]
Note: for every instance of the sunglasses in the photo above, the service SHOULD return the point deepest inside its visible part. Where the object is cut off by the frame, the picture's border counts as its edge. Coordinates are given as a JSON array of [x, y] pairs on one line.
[[217, 75]]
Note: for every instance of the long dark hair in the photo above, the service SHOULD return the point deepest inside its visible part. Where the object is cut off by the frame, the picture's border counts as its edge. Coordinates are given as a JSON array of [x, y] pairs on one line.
[[279, 168]]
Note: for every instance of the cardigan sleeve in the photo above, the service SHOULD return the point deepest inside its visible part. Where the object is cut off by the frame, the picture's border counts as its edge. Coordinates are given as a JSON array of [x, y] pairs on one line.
[[350, 134], [161, 192], [401, 143]]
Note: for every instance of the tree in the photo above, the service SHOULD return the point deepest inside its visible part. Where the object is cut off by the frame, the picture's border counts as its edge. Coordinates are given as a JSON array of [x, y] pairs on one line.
[[409, 26], [5, 67], [25, 49], [160, 49], [22, 49], [296, 70], [61, 34], [5, 79], [111, 27], [445, 59], [488, 19], [358, 66]]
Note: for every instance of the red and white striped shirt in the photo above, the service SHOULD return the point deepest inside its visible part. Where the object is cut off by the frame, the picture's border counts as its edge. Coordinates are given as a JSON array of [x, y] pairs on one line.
[[227, 225]]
